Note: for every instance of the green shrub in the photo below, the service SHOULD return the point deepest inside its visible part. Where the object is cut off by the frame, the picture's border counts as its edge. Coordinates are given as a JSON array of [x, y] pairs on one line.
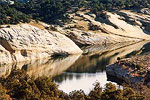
[[3, 95], [20, 86]]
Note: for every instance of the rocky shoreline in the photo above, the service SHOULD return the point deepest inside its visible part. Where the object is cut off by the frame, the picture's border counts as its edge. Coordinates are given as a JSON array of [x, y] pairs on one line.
[[131, 70]]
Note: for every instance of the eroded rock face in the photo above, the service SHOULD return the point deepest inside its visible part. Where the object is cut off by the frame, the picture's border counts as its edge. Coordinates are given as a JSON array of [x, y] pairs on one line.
[[25, 42], [85, 28]]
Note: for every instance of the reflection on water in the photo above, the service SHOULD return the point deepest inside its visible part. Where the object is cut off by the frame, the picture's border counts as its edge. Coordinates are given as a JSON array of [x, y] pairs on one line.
[[90, 68], [78, 71], [41, 67], [76, 81]]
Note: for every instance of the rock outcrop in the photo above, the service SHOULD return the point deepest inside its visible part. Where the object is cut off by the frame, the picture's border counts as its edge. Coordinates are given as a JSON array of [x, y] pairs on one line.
[[131, 70], [30, 41], [124, 74], [86, 28], [25, 42]]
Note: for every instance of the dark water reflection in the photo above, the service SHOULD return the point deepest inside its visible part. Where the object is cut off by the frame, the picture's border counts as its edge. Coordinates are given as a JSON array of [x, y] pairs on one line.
[[79, 71]]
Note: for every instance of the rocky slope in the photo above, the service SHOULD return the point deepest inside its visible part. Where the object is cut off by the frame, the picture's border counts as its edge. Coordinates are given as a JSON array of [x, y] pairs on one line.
[[25, 42], [85, 28], [38, 40]]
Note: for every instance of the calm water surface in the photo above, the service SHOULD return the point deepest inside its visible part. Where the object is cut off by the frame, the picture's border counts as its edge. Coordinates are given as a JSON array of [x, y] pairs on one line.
[[91, 67], [79, 71]]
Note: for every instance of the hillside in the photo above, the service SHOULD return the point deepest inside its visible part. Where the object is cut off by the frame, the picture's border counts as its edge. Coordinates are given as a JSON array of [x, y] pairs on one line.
[[41, 29], [85, 28], [50, 10]]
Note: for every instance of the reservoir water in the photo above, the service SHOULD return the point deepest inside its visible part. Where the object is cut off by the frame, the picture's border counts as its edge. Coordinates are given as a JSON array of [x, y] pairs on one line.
[[79, 71]]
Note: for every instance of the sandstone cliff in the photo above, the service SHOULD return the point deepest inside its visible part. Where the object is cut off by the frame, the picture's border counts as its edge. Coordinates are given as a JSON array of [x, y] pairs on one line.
[[32, 41], [85, 28], [25, 42]]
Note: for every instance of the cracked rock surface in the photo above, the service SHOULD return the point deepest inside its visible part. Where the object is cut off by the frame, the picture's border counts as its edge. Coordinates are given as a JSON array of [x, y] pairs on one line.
[[24, 42]]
